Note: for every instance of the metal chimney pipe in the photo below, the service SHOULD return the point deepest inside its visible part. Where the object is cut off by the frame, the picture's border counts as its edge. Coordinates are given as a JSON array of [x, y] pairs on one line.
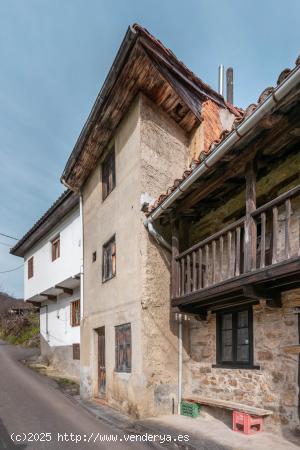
[[221, 79], [229, 84]]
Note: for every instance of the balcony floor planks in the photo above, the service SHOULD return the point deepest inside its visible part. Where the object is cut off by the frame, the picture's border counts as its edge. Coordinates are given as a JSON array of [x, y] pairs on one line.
[[282, 276]]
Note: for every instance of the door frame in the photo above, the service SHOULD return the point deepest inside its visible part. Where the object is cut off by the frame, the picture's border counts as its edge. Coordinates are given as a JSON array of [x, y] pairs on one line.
[[101, 332]]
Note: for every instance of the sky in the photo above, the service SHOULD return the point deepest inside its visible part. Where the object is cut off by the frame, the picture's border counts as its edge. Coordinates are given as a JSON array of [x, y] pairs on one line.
[[55, 54]]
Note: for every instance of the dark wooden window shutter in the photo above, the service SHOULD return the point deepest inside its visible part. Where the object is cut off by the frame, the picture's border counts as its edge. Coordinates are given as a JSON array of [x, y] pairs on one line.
[[108, 174], [76, 351], [109, 259], [75, 313], [123, 348], [30, 269]]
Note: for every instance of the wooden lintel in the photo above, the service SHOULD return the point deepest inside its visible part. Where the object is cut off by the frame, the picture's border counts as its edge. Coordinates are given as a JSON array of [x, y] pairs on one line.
[[257, 293], [275, 302], [64, 289], [52, 298]]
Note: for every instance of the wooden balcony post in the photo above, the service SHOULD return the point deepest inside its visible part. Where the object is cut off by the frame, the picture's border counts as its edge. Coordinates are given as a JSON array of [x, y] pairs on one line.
[[250, 224], [175, 281]]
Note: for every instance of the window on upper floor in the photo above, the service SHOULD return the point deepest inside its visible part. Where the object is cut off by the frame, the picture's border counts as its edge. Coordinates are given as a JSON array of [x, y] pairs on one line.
[[30, 268], [75, 313], [109, 259], [235, 337], [123, 348], [55, 248], [108, 174]]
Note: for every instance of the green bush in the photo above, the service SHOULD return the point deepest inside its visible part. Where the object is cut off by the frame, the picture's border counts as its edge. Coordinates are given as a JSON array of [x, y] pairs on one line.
[[20, 330]]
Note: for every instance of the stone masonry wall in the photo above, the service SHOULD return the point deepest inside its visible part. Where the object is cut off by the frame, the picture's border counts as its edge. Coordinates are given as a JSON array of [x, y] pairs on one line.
[[275, 385]]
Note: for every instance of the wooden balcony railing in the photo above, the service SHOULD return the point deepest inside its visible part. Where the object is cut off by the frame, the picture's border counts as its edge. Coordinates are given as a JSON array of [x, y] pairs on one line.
[[225, 254]]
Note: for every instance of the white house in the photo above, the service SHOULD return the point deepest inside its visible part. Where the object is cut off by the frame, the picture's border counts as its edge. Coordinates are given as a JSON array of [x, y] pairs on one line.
[[52, 252]]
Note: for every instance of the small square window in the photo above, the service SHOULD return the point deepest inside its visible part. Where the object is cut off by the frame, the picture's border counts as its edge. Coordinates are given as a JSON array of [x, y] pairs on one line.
[[75, 313], [55, 248], [123, 348], [108, 174], [94, 257], [235, 338], [76, 351], [109, 259], [30, 268]]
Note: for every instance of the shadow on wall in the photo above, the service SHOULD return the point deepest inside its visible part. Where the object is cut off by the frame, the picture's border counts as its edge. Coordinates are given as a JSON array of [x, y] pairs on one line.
[[173, 323], [6, 441]]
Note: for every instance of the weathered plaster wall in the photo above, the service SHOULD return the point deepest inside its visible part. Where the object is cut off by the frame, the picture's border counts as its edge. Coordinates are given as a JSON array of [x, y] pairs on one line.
[[62, 358], [116, 301], [57, 334], [151, 151], [274, 386], [164, 156], [55, 322]]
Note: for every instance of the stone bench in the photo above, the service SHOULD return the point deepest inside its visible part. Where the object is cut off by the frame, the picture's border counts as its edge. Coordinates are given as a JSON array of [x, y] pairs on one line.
[[226, 404]]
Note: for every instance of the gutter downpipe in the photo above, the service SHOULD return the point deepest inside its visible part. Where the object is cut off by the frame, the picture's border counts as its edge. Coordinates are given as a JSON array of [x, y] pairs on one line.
[[81, 255], [158, 237], [179, 361], [277, 95]]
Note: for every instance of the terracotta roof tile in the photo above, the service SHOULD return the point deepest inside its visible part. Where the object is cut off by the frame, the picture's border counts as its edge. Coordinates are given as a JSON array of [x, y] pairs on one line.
[[241, 117]]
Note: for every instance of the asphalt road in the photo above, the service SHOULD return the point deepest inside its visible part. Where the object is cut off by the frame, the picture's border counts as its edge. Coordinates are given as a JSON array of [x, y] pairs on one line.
[[32, 405]]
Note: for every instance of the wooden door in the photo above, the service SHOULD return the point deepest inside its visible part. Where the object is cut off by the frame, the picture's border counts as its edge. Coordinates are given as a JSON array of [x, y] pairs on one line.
[[101, 363]]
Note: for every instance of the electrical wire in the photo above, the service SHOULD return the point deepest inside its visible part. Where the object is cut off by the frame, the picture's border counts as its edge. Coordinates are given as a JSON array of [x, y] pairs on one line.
[[10, 237], [12, 270]]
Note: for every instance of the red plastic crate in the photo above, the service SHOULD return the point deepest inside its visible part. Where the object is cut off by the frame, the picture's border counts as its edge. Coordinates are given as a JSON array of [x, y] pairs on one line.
[[246, 423]]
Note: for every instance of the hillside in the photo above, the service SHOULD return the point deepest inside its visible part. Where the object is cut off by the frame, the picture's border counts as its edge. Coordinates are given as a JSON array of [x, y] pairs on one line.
[[7, 302]]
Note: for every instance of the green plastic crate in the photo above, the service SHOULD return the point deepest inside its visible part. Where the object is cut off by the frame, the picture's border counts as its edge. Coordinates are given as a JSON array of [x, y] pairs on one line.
[[189, 409]]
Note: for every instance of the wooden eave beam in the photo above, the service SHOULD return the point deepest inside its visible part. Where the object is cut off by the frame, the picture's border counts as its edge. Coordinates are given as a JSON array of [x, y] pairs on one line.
[[64, 289], [273, 298], [52, 298]]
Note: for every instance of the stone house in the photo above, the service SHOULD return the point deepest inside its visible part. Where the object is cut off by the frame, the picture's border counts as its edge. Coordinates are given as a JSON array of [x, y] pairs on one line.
[[235, 231], [52, 253], [148, 120], [202, 302]]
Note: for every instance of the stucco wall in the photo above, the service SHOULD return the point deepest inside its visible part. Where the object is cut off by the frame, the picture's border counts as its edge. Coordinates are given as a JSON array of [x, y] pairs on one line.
[[116, 301], [57, 334], [61, 358], [48, 273], [58, 323], [164, 156], [151, 151]]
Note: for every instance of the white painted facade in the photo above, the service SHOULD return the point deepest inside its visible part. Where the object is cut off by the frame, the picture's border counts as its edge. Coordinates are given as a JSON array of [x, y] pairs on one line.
[[55, 321], [55, 315], [48, 273]]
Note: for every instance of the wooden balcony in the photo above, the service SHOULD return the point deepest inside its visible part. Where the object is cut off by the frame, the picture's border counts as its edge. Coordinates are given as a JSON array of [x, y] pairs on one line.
[[256, 257]]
